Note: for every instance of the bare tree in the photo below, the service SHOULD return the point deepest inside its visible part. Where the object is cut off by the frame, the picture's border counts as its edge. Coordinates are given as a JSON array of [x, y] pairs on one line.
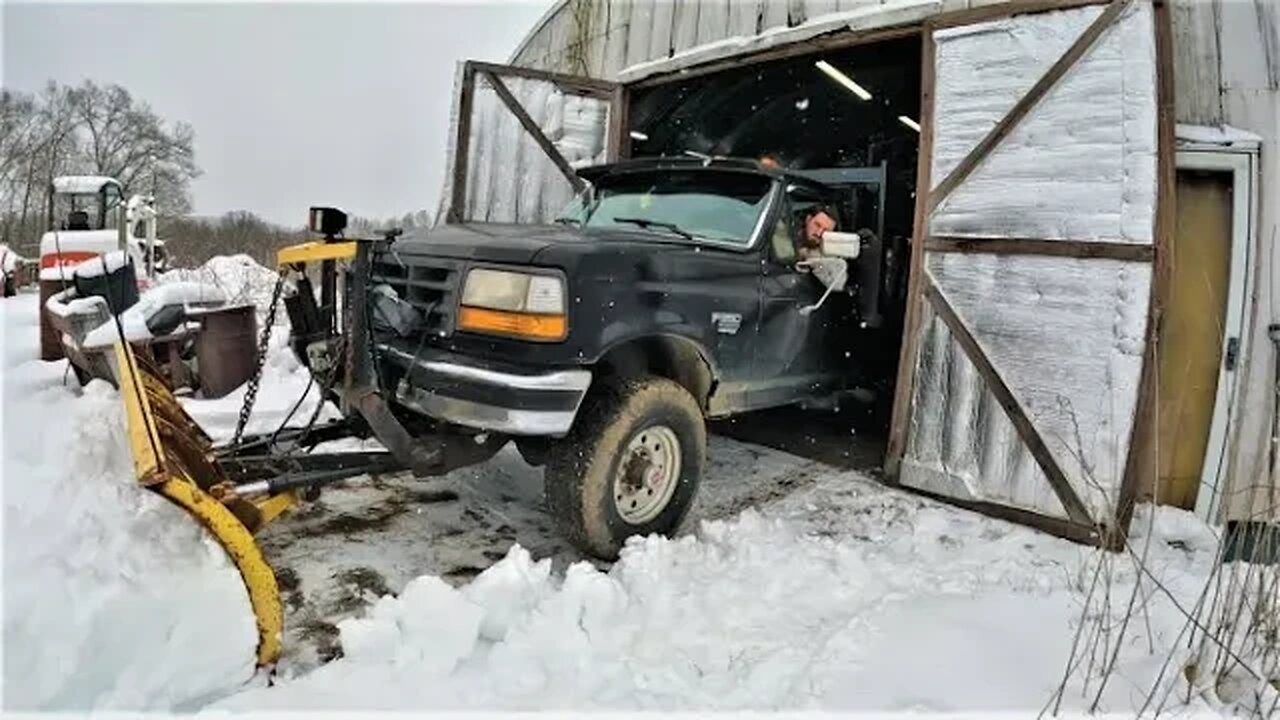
[[408, 221], [125, 139], [235, 233], [89, 129]]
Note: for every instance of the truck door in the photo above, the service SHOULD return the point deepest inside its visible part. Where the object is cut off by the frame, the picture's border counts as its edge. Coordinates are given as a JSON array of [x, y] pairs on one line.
[[796, 351]]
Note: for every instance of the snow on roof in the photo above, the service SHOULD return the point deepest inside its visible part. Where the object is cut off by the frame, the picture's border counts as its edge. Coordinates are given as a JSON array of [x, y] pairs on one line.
[[1217, 135], [867, 17], [81, 183]]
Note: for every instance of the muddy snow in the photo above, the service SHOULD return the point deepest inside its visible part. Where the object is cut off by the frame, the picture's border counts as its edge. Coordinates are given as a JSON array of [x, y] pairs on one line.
[[796, 585]]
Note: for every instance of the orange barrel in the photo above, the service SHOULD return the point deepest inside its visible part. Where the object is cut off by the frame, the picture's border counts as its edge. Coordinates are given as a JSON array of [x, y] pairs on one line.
[[226, 348]]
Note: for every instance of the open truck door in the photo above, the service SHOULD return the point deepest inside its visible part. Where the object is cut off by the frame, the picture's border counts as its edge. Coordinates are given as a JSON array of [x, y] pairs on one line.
[[518, 137], [1025, 384]]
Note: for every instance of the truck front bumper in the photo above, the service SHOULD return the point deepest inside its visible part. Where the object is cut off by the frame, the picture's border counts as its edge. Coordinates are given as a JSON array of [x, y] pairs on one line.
[[456, 390]]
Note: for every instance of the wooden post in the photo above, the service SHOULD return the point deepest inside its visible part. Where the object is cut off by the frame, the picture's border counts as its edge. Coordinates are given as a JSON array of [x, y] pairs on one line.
[[911, 325]]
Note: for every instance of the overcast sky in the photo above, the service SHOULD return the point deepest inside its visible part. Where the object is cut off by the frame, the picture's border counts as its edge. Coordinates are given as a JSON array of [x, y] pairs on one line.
[[293, 104]]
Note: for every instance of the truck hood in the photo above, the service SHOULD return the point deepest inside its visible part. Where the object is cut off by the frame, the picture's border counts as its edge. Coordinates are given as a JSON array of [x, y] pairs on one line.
[[515, 244]]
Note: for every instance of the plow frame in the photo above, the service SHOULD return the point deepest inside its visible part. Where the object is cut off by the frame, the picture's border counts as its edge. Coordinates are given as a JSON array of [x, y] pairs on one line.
[[235, 490], [223, 488], [161, 467]]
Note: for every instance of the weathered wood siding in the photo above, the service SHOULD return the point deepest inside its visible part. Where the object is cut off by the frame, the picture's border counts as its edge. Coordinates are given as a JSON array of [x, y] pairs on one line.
[[1227, 71]]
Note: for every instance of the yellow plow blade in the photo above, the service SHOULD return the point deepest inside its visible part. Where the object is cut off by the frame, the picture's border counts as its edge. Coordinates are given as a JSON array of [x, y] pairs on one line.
[[173, 456]]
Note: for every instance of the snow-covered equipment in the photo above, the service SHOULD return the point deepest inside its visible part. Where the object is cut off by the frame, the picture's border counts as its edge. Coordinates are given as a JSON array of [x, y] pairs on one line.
[[88, 216], [166, 322], [15, 270]]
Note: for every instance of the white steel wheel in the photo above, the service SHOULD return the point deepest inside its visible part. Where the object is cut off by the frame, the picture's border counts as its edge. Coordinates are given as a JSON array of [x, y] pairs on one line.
[[647, 474], [630, 466]]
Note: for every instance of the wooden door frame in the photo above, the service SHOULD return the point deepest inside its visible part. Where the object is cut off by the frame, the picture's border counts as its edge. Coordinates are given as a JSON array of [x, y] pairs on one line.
[[611, 92], [927, 198], [1241, 164]]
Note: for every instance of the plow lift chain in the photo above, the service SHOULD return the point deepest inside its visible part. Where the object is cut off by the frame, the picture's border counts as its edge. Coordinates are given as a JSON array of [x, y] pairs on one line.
[[275, 471], [264, 341]]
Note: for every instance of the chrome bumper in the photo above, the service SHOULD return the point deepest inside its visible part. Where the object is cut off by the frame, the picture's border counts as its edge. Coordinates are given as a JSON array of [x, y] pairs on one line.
[[486, 399]]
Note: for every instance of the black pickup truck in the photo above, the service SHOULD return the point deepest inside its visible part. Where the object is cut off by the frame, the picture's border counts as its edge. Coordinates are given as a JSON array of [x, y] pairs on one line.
[[666, 294]]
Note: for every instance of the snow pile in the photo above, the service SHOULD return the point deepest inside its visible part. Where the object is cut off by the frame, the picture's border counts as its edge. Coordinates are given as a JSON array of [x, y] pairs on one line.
[[113, 598], [239, 277], [845, 597]]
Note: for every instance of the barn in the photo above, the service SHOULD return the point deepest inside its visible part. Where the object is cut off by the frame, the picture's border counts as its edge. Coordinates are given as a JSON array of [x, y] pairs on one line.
[[1074, 193]]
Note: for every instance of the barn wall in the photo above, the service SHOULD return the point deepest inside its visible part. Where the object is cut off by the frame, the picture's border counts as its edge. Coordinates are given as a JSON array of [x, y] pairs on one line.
[[1227, 70]]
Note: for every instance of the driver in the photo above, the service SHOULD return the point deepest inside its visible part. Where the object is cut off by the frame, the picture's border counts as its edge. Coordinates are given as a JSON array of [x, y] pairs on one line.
[[818, 220]]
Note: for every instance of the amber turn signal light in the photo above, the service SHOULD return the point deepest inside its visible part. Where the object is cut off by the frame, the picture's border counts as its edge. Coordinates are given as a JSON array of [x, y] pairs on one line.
[[525, 326]]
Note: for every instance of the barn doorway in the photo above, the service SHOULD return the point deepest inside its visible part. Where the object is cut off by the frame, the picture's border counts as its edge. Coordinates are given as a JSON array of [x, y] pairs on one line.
[[1205, 321], [848, 117]]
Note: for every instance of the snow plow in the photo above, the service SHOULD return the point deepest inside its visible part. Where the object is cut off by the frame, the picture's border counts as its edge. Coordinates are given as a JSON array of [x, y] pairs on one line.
[[236, 489]]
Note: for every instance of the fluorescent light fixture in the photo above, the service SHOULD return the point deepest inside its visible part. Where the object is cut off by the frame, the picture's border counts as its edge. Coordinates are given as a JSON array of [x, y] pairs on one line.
[[843, 79], [909, 122], [639, 135]]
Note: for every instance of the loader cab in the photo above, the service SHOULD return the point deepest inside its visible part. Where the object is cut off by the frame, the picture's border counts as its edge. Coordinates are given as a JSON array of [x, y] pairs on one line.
[[82, 203], [87, 217]]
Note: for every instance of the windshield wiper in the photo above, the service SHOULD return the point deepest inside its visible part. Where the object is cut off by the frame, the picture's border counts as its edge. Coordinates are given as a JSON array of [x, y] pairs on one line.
[[644, 223], [568, 221]]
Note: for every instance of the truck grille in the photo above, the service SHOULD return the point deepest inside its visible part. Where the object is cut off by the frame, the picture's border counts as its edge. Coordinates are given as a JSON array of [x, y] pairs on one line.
[[429, 283]]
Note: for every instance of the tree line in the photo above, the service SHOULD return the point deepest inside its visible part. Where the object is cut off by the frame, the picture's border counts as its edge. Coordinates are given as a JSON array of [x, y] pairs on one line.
[[191, 241], [94, 129]]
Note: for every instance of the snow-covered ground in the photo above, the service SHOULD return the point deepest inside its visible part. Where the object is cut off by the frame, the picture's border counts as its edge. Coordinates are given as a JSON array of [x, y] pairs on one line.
[[107, 587], [828, 592]]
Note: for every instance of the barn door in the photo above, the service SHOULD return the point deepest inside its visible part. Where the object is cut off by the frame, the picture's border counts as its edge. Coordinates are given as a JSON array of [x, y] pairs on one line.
[[518, 135], [1027, 352]]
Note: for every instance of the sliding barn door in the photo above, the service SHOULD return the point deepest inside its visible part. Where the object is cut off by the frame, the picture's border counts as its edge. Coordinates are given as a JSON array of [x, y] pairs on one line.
[[519, 135], [1027, 349]]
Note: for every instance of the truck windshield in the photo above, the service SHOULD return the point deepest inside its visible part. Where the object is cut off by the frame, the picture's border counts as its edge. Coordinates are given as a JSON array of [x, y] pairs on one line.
[[713, 205]]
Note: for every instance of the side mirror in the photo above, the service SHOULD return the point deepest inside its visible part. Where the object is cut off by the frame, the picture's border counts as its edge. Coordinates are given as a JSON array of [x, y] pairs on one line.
[[842, 244]]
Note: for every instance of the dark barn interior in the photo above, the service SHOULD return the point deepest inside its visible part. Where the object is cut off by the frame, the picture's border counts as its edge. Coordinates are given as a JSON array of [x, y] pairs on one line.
[[853, 107]]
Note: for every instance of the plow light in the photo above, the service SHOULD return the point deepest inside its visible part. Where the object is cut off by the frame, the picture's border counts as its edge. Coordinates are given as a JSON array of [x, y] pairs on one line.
[[516, 304], [327, 221]]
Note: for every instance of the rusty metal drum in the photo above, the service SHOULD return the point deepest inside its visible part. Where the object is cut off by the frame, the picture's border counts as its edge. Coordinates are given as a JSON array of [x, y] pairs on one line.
[[226, 348]]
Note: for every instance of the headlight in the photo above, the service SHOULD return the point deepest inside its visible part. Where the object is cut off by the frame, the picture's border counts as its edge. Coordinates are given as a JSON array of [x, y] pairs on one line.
[[523, 305]]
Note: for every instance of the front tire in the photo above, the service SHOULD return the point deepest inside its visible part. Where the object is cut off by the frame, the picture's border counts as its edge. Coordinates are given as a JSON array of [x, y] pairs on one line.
[[630, 466]]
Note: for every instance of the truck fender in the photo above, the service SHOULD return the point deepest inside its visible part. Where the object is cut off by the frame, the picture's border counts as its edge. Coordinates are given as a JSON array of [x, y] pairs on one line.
[[676, 357]]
